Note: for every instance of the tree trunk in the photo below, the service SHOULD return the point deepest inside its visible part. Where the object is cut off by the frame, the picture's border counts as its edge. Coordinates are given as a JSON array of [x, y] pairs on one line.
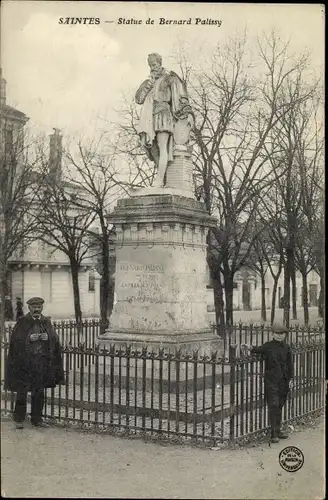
[[7, 285], [218, 300], [112, 269], [287, 267], [111, 296], [321, 302], [274, 297], [105, 280], [2, 308], [275, 287], [263, 304], [228, 287], [305, 298], [2, 295], [215, 272], [294, 291], [76, 290], [110, 303]]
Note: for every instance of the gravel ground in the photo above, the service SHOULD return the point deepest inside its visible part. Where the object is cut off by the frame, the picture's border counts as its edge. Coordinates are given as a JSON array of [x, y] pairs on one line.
[[63, 463]]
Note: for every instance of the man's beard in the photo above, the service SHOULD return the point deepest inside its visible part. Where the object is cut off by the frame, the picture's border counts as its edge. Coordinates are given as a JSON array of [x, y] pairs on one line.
[[157, 72]]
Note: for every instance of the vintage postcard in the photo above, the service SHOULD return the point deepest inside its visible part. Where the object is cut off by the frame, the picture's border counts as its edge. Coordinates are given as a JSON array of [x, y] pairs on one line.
[[162, 263]]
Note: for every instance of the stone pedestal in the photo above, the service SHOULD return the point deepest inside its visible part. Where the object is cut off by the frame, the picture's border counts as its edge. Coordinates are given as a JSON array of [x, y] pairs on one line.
[[179, 181], [179, 172], [160, 277]]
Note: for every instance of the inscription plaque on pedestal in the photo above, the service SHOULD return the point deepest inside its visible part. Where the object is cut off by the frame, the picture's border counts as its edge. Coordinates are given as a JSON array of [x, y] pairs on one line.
[[161, 272]]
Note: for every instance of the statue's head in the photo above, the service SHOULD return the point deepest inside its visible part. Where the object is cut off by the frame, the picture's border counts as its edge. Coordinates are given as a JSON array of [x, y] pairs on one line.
[[155, 61]]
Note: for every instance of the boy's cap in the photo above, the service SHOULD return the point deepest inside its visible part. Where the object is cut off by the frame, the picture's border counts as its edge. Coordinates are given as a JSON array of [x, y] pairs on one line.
[[279, 328]]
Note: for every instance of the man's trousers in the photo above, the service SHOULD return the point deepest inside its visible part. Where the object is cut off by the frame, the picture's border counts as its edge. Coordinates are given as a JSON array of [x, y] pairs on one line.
[[276, 397], [37, 402]]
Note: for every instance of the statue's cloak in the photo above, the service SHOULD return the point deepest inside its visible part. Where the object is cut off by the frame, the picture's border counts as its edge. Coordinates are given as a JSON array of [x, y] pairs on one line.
[[167, 93]]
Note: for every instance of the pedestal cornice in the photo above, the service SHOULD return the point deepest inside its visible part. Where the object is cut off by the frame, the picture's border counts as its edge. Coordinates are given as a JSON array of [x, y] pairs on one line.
[[161, 208]]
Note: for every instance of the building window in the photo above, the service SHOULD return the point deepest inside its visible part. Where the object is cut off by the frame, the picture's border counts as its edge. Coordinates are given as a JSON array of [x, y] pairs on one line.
[[92, 282], [235, 284]]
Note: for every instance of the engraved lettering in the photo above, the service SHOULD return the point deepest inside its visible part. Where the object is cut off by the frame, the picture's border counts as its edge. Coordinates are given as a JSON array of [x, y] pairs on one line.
[[148, 268]]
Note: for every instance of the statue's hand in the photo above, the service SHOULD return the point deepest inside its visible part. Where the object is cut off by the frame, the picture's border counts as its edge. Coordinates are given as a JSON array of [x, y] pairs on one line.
[[183, 114], [184, 109]]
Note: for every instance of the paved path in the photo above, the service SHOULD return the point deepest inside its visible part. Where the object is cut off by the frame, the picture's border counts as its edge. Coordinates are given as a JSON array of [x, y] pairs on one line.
[[62, 463]]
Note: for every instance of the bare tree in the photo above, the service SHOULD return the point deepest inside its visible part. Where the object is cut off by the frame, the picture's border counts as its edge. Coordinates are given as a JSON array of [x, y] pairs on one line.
[[309, 145], [236, 117], [292, 160], [260, 259], [63, 226], [239, 105], [92, 170], [319, 253], [19, 184], [270, 215], [275, 265], [139, 171]]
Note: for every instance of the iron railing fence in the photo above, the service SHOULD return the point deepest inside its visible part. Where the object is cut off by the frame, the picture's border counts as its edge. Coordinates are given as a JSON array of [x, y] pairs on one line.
[[88, 331], [72, 333], [210, 399], [258, 334], [306, 396]]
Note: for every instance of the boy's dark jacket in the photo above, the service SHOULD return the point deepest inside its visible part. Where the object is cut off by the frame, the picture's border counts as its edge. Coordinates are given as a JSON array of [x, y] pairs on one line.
[[278, 359], [20, 370]]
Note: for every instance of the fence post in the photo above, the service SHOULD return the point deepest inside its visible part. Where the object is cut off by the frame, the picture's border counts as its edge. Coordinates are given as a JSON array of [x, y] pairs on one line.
[[232, 361]]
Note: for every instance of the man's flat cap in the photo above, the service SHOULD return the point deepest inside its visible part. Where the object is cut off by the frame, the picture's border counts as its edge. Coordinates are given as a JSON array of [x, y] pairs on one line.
[[279, 328], [35, 301]]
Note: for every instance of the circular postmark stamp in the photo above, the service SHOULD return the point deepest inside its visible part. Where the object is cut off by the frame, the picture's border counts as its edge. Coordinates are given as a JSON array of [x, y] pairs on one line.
[[291, 459]]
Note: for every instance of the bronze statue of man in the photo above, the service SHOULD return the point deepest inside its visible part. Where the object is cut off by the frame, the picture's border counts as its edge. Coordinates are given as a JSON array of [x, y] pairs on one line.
[[165, 104]]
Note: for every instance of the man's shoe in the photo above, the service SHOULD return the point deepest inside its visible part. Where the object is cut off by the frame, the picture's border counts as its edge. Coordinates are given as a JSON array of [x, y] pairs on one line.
[[40, 424], [283, 435], [274, 440], [19, 425]]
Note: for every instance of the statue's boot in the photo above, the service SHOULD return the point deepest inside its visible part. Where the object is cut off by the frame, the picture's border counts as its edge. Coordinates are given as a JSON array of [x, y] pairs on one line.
[[159, 181]]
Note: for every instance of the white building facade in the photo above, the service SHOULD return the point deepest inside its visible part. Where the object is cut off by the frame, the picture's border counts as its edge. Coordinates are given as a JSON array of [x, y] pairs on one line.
[[37, 269], [247, 293], [42, 271]]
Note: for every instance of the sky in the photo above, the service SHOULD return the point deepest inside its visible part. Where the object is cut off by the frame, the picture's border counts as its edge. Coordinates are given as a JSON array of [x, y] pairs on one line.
[[72, 76]]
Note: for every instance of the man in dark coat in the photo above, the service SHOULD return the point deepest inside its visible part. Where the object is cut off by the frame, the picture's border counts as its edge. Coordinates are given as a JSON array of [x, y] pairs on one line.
[[278, 376], [19, 308], [34, 362]]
